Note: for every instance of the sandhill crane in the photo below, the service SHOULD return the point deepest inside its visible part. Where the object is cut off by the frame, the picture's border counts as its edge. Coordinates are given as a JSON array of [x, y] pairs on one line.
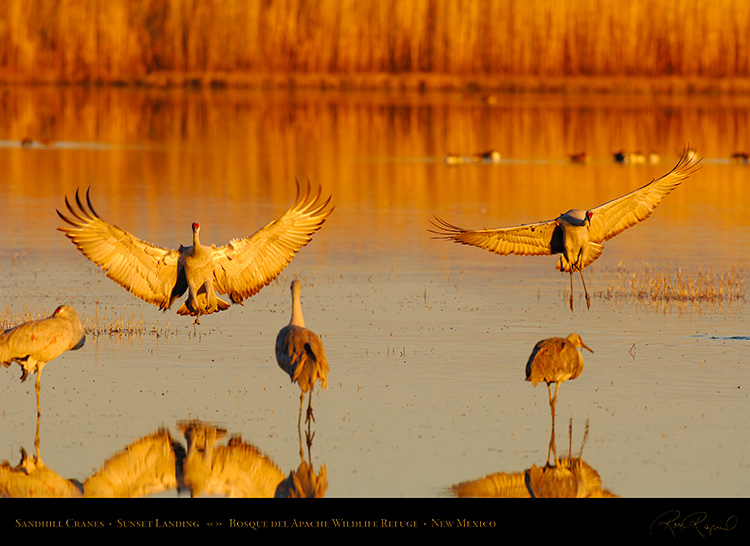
[[576, 234], [300, 353], [555, 360], [33, 344], [158, 276]]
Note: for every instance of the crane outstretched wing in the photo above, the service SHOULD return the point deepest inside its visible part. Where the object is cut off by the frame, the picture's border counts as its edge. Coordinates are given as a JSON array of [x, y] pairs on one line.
[[246, 265], [146, 467], [146, 271], [615, 216], [538, 239]]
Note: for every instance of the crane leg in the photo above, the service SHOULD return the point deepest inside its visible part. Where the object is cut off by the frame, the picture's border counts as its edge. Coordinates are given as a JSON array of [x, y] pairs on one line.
[[571, 289], [309, 409], [588, 300], [301, 403], [553, 401], [552, 446], [38, 390]]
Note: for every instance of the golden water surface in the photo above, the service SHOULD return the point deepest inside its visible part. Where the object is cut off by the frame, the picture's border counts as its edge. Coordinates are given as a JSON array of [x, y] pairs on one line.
[[427, 340]]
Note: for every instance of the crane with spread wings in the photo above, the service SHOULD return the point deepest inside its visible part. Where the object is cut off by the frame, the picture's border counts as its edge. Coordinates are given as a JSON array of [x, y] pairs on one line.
[[158, 275], [576, 234]]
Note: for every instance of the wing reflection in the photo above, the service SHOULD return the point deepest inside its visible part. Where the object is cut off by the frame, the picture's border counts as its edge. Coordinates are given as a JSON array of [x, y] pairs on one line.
[[158, 463], [235, 470], [569, 477], [146, 467]]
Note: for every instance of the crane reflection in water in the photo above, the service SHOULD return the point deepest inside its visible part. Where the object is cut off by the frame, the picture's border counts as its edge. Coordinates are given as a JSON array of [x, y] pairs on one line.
[[570, 477], [157, 463]]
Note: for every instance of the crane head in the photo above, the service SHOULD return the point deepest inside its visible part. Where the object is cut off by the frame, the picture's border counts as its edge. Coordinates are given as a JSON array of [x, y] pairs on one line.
[[196, 226], [576, 340]]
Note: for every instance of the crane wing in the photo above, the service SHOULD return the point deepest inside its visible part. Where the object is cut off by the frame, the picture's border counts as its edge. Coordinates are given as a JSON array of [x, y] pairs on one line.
[[541, 238], [244, 266], [614, 217], [147, 271]]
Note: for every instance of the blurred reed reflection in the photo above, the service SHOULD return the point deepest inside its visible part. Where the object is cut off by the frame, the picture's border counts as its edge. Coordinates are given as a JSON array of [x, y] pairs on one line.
[[266, 139], [162, 159], [157, 464], [570, 477]]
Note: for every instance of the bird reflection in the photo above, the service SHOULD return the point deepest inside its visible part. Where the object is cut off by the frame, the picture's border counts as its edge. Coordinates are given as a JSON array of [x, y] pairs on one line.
[[569, 477], [31, 478], [146, 467], [158, 463], [304, 482], [235, 470]]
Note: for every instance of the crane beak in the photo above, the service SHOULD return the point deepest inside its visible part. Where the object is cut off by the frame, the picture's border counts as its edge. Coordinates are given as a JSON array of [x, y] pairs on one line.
[[584, 346]]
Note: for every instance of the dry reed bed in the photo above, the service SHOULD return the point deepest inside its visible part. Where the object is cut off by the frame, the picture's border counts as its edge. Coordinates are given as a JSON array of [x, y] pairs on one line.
[[660, 287], [214, 41]]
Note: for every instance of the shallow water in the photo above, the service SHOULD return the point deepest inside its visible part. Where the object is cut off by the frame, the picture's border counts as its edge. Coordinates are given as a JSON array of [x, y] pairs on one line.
[[427, 340]]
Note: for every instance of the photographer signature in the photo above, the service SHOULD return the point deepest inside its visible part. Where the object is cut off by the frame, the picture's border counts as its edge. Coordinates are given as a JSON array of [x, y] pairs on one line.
[[673, 522]]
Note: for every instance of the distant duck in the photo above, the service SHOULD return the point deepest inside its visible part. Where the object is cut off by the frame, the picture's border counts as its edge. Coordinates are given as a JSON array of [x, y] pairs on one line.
[[26, 142], [580, 157], [631, 158], [490, 155], [454, 159], [740, 157]]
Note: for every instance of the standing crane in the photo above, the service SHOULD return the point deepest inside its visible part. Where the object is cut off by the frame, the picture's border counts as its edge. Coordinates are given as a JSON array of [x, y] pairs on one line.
[[300, 353], [158, 275], [576, 234], [33, 344], [555, 360]]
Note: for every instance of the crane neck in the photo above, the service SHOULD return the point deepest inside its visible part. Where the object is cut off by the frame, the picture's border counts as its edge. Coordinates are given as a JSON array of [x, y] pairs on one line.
[[297, 318]]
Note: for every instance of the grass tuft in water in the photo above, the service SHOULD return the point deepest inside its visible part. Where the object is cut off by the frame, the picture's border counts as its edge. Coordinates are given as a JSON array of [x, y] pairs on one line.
[[660, 287]]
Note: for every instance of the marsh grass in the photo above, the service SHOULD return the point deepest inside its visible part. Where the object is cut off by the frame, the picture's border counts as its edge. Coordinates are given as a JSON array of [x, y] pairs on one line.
[[659, 288], [107, 322], [225, 42]]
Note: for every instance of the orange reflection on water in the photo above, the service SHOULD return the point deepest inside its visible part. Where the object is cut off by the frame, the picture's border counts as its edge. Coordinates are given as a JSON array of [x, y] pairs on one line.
[[159, 159]]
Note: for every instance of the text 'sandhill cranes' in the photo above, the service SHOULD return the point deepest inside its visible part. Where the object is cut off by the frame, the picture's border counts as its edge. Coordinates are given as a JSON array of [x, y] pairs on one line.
[[159, 275], [576, 234]]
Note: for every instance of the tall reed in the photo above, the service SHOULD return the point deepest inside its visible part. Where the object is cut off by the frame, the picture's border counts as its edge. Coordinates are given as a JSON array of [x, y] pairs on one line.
[[215, 40]]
